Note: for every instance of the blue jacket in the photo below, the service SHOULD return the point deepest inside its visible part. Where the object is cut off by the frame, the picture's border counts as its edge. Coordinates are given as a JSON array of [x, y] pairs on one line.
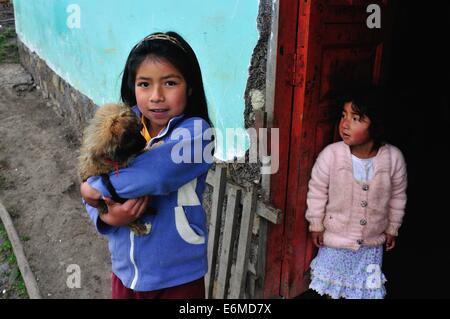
[[174, 252]]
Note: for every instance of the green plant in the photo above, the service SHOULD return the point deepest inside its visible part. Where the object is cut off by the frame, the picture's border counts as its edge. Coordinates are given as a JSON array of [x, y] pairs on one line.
[[6, 246], [25, 238], [5, 35], [13, 211], [20, 286], [2, 46], [2, 231], [7, 254]]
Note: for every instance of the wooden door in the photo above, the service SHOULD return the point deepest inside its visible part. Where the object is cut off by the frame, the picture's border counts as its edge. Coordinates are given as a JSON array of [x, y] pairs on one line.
[[319, 40]]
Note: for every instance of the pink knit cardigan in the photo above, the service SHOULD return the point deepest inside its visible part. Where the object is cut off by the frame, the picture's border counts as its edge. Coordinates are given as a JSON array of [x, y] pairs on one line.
[[351, 213]]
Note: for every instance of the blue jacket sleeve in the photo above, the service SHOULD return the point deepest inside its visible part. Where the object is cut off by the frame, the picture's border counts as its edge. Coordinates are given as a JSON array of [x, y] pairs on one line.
[[101, 227], [167, 167]]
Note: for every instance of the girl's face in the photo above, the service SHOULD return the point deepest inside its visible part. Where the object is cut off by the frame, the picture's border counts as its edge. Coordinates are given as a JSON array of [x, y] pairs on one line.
[[161, 92], [353, 129]]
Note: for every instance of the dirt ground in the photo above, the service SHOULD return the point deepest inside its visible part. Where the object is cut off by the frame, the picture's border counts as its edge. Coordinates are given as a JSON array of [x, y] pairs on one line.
[[39, 188]]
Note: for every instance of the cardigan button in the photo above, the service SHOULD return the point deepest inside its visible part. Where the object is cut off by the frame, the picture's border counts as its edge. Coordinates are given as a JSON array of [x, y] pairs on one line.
[[364, 203], [365, 187], [363, 222]]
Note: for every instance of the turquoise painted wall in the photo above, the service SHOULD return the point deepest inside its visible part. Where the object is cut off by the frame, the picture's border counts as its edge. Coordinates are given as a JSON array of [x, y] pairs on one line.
[[86, 42]]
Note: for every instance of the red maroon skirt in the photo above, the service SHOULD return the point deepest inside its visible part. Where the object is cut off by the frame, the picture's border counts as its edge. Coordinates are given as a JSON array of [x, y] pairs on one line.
[[190, 290]]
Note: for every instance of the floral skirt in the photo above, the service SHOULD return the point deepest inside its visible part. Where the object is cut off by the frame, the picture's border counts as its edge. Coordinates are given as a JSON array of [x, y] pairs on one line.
[[345, 273]]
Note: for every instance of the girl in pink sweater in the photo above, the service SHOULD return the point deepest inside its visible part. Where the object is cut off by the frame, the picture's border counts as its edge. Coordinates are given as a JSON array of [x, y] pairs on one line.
[[356, 201]]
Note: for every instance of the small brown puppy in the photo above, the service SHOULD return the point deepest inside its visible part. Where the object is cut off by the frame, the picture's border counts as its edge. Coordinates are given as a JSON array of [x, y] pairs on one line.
[[110, 141]]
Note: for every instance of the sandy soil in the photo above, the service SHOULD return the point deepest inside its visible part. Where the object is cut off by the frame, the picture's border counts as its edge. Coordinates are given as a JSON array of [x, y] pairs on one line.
[[39, 188]]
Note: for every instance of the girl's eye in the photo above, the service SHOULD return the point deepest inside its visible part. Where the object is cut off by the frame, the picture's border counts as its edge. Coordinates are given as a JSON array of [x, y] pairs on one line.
[[171, 83], [356, 118], [143, 84]]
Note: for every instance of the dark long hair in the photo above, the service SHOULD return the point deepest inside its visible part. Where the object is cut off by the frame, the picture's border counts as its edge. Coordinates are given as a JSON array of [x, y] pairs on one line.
[[178, 53], [368, 102]]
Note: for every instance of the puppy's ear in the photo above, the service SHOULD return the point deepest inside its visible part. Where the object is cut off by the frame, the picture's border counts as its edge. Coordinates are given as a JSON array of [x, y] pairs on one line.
[[132, 143], [118, 126]]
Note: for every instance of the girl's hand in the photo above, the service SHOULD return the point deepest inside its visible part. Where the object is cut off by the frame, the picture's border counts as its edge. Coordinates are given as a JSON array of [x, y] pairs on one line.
[[390, 242], [89, 194], [123, 214], [317, 238]]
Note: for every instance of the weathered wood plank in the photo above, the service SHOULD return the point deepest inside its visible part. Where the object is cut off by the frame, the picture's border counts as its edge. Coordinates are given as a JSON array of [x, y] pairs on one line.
[[261, 260], [237, 284], [218, 181], [228, 237], [269, 212], [211, 177]]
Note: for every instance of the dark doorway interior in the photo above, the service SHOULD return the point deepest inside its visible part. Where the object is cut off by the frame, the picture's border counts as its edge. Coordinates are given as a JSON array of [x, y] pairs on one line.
[[418, 87]]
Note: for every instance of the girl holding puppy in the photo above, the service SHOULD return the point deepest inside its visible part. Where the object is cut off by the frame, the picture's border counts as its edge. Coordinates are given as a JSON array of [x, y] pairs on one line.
[[162, 82]]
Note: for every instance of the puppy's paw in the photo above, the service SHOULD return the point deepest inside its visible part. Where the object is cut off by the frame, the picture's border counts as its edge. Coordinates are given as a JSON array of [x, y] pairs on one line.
[[140, 229]]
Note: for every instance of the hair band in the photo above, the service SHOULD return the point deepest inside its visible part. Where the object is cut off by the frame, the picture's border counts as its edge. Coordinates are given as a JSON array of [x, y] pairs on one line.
[[164, 37]]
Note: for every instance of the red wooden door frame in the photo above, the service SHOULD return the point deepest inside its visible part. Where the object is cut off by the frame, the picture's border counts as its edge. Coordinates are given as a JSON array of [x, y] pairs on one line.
[[284, 92], [299, 111], [297, 242]]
